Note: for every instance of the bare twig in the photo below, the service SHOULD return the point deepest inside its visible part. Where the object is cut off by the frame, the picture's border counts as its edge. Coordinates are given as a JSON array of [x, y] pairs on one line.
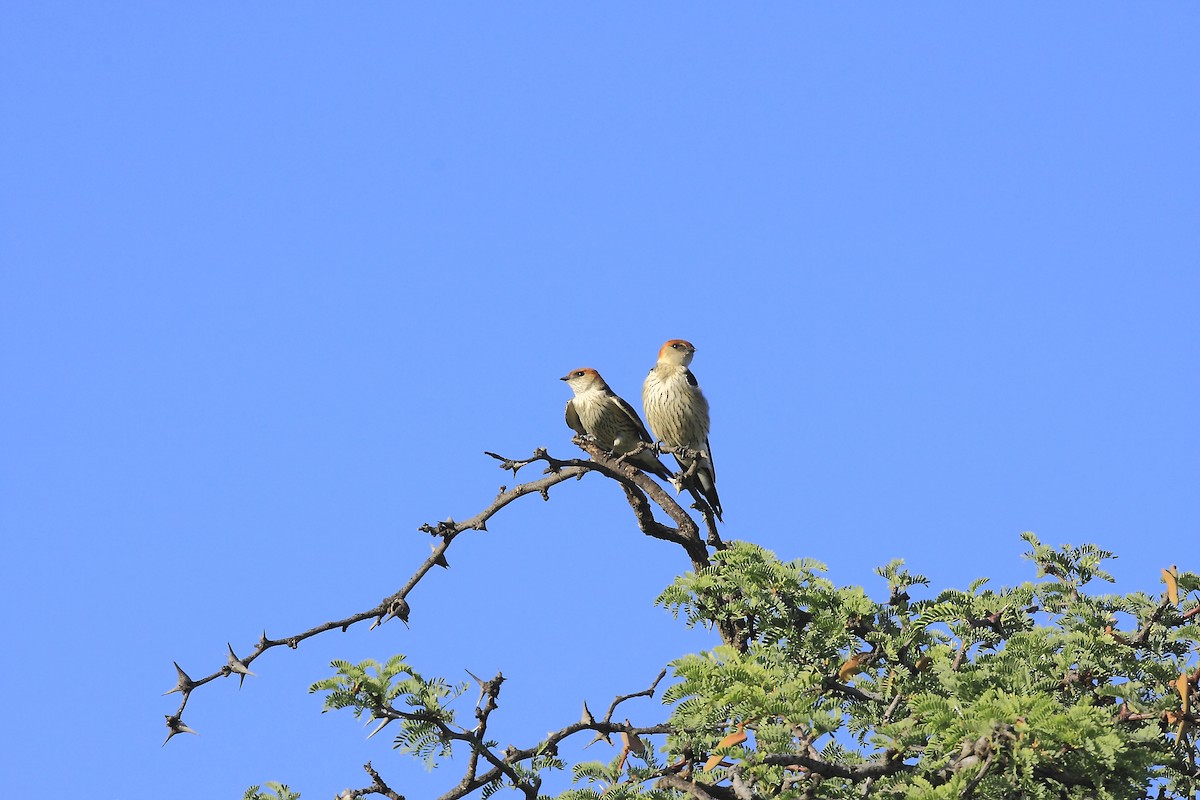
[[377, 787], [647, 692]]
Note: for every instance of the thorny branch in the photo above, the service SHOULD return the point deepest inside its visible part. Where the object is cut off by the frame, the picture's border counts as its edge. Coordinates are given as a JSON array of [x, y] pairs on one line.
[[641, 491]]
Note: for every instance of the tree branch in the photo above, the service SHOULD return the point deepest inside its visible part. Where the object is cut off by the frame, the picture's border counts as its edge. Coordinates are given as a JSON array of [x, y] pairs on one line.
[[377, 787], [826, 769], [639, 489], [638, 486], [1139, 638], [706, 791]]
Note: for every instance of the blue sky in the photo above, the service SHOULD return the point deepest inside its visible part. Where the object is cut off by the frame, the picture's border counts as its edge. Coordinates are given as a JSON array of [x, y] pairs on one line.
[[276, 275]]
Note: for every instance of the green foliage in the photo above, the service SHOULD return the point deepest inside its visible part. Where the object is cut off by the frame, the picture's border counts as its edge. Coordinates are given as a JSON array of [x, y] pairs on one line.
[[425, 716], [278, 791], [620, 778], [1039, 690], [1024, 691]]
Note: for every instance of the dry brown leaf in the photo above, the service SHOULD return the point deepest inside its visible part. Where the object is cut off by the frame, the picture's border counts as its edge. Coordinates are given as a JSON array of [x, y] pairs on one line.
[[1170, 576], [737, 737]]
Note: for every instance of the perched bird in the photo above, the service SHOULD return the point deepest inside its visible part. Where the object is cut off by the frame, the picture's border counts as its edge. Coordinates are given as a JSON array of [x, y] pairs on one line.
[[678, 413], [595, 410]]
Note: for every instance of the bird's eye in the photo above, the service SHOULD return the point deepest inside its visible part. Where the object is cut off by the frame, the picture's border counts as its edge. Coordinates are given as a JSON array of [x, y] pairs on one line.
[[678, 345], [579, 374]]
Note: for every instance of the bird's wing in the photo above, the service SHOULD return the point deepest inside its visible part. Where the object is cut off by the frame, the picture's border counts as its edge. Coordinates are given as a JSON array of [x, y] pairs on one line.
[[628, 411], [573, 419], [691, 379], [711, 467]]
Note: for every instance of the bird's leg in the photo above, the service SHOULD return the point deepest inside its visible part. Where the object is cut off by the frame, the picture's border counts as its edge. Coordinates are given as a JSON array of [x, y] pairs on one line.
[[621, 458], [640, 447]]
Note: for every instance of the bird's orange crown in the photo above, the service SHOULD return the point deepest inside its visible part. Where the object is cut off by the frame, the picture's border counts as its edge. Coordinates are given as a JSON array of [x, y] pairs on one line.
[[586, 373]]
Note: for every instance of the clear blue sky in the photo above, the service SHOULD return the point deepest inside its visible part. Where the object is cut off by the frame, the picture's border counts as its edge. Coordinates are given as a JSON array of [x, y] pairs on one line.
[[276, 274]]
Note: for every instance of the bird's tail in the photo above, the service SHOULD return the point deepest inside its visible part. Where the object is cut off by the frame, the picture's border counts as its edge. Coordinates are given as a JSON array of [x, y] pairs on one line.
[[708, 488], [702, 482]]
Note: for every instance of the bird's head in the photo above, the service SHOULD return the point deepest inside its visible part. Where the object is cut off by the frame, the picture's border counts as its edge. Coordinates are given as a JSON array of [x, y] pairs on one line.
[[676, 351], [583, 379]]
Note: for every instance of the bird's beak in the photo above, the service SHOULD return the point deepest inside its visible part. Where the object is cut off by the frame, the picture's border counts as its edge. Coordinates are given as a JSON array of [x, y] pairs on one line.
[[565, 378]]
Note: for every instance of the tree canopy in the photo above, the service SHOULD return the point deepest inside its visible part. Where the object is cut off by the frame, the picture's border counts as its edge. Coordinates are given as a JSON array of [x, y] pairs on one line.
[[1047, 689]]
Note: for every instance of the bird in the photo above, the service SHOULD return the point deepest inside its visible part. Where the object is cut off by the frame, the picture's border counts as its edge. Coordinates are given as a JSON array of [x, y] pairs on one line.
[[678, 414], [597, 411]]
